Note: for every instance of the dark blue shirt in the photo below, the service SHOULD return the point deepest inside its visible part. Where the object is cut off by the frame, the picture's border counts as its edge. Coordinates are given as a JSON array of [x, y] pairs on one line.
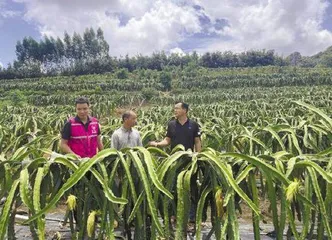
[[183, 134]]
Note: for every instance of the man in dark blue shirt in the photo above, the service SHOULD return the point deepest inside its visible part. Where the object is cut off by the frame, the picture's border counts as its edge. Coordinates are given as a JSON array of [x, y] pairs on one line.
[[185, 131], [181, 130]]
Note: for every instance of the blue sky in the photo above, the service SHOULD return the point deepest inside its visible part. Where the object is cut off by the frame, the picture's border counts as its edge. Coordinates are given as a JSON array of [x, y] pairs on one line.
[[133, 27]]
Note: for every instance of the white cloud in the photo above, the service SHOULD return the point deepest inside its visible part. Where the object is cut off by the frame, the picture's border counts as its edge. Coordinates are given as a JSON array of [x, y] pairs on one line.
[[146, 26], [159, 28], [2, 4], [1, 64], [9, 13], [150, 26], [6, 13], [283, 25], [178, 51]]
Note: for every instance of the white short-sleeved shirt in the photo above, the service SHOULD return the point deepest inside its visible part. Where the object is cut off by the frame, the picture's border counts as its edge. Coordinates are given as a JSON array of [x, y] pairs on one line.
[[123, 137]]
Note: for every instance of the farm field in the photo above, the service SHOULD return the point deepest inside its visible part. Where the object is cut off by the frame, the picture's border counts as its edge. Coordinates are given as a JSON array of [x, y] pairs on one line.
[[266, 136]]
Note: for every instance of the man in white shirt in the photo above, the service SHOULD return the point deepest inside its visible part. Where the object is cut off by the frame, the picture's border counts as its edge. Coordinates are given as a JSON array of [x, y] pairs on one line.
[[126, 135]]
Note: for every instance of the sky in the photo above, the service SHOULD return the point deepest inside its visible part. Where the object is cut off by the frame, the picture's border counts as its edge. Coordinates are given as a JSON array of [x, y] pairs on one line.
[[181, 26]]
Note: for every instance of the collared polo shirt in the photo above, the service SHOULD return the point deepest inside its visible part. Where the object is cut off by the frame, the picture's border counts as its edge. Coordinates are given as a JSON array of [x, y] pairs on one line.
[[123, 137], [183, 134], [66, 131]]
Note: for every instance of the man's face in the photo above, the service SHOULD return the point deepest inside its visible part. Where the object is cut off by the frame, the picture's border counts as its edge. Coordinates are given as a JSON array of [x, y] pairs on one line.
[[82, 110], [178, 110], [131, 120]]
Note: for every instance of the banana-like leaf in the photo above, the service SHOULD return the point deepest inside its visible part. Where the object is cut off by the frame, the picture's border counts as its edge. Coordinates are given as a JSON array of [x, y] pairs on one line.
[[141, 171], [306, 163], [320, 201], [131, 185], [199, 212], [323, 115], [152, 172], [24, 189], [168, 162], [183, 201], [6, 210], [271, 130], [230, 180], [136, 207], [260, 164], [107, 191], [74, 178], [36, 203], [254, 192]]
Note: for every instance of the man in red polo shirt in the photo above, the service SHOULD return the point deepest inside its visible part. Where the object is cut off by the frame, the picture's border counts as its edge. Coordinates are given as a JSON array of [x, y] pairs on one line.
[[81, 134]]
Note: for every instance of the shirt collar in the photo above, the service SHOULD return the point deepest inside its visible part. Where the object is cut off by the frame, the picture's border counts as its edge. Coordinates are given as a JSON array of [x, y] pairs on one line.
[[184, 123], [77, 119], [126, 130]]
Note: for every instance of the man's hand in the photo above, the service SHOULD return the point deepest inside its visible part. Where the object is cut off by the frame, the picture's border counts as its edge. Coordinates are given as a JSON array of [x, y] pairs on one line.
[[163, 143], [153, 144]]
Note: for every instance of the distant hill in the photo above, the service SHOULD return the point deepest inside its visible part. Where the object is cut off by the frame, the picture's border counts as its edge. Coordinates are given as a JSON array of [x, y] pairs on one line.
[[321, 59], [319, 55]]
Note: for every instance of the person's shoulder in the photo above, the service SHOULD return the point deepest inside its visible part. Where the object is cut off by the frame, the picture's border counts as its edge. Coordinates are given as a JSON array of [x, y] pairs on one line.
[[117, 131], [135, 131], [172, 121], [69, 121], [193, 122], [93, 119]]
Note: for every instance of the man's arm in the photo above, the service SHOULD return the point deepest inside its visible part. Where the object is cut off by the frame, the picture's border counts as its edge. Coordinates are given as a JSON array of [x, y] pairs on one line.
[[163, 143], [166, 141], [100, 143], [65, 136], [197, 139], [64, 146], [198, 144]]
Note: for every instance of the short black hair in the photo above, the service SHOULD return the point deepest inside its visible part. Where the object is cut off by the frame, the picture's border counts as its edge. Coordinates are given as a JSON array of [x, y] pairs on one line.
[[184, 105], [82, 100], [126, 115]]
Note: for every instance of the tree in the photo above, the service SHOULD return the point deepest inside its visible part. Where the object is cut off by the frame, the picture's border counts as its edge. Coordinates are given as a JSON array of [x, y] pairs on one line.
[[60, 49], [158, 61], [68, 46], [90, 43], [20, 51], [326, 60], [102, 44], [206, 60], [78, 47], [294, 58], [128, 63], [122, 74], [27, 50], [308, 62], [47, 49]]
